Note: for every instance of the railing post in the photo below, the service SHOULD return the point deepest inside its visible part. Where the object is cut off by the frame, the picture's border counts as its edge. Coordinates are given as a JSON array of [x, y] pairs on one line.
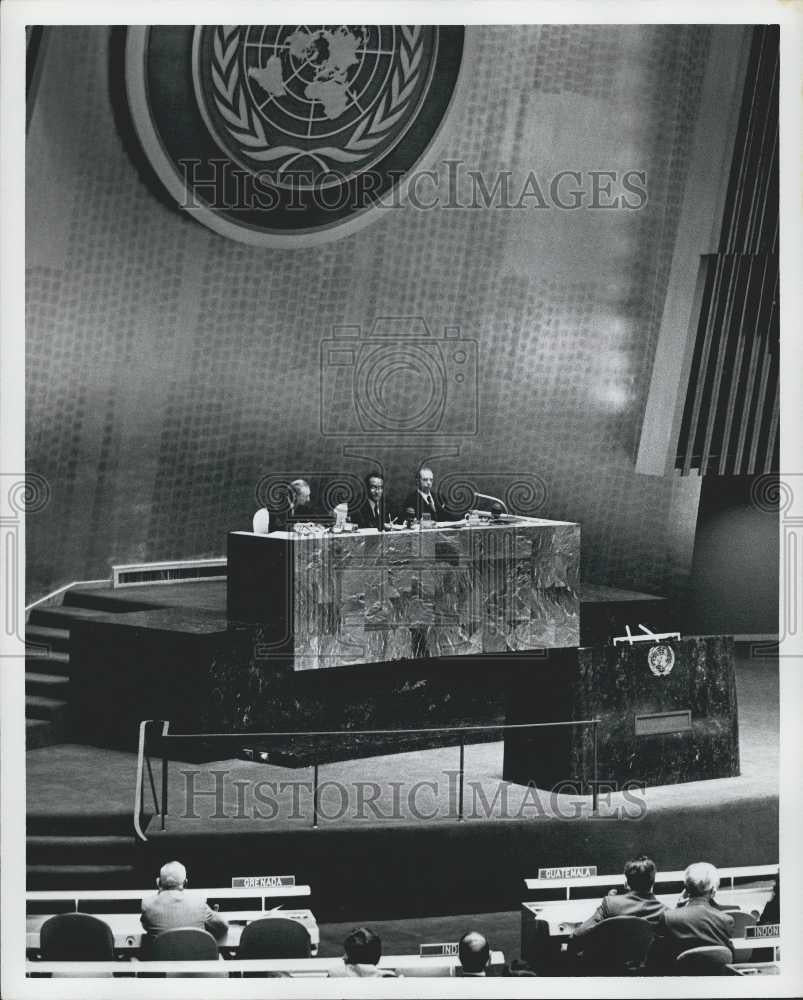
[[152, 783], [462, 773], [164, 786], [315, 796], [595, 786]]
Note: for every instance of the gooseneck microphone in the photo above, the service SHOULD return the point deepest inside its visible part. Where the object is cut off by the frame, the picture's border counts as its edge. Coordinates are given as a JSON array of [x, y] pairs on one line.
[[484, 496]]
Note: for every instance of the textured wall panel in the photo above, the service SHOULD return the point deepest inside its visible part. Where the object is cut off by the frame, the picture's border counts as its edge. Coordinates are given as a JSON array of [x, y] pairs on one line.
[[169, 370]]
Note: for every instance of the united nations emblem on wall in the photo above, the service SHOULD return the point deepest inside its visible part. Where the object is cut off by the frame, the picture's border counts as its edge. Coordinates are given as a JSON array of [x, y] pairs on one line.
[[661, 659], [290, 134]]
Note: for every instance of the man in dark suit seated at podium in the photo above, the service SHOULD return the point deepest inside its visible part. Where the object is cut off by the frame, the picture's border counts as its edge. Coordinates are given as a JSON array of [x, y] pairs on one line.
[[424, 499], [696, 922], [372, 512], [638, 901]]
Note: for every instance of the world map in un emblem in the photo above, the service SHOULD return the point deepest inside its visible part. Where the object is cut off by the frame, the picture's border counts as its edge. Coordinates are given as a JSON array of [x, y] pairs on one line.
[[311, 105], [661, 659], [292, 135]]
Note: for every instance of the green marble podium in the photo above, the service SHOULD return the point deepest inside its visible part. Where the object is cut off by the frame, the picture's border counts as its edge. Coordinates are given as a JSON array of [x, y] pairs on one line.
[[664, 718], [452, 590]]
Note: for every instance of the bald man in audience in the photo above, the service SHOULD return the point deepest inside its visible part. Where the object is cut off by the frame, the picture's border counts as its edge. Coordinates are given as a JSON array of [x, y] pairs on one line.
[[696, 922], [638, 901], [173, 907], [474, 954]]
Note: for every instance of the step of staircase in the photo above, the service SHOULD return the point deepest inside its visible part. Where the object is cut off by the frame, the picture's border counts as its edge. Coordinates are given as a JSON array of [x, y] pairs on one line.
[[50, 685], [47, 637], [42, 733], [92, 850], [41, 823], [60, 615], [38, 706], [105, 600], [47, 656], [56, 876]]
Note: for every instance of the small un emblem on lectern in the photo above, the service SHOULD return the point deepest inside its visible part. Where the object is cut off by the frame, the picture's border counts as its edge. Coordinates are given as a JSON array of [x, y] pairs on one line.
[[661, 659]]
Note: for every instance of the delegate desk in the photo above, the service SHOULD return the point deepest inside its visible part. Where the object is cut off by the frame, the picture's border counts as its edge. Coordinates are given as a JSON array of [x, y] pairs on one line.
[[128, 932], [120, 910], [547, 924], [302, 968]]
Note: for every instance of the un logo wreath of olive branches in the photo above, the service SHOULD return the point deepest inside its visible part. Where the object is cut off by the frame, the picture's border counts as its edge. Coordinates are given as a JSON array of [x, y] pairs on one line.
[[245, 127]]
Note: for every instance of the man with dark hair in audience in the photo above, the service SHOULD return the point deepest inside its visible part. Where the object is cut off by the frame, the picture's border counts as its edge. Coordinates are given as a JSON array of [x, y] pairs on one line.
[[696, 922], [362, 949], [172, 907], [771, 914], [638, 901], [474, 954]]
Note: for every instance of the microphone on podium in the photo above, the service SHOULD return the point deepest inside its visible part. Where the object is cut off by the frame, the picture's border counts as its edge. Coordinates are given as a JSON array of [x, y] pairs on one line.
[[409, 517], [494, 500]]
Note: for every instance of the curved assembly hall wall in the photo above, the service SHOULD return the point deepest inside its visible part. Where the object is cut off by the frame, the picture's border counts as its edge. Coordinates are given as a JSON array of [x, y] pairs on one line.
[[170, 369]]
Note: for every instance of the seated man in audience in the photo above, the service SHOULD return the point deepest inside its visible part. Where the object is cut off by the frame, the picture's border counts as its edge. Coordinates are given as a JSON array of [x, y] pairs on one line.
[[362, 949], [639, 901], [474, 954], [173, 907], [771, 914], [696, 922]]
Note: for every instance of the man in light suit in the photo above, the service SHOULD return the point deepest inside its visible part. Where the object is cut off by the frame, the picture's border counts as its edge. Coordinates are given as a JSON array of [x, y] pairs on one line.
[[173, 907], [696, 922], [638, 901]]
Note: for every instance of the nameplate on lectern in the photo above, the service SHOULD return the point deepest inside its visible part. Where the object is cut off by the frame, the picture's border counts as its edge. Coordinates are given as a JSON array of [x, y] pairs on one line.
[[263, 882], [655, 723]]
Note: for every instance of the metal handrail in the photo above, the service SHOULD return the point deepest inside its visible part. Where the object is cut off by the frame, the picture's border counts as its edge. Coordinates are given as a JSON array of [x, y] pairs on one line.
[[144, 760], [240, 738], [140, 777]]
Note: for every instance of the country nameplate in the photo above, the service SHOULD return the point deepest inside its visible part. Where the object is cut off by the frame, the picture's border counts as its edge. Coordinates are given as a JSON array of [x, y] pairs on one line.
[[263, 881], [445, 949], [762, 931], [568, 871]]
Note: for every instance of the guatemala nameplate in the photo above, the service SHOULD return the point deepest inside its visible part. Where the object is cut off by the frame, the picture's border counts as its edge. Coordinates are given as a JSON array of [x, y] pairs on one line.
[[290, 135]]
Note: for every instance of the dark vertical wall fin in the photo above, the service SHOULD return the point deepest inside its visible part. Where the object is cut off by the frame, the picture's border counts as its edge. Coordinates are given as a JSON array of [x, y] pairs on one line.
[[730, 419], [35, 44]]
